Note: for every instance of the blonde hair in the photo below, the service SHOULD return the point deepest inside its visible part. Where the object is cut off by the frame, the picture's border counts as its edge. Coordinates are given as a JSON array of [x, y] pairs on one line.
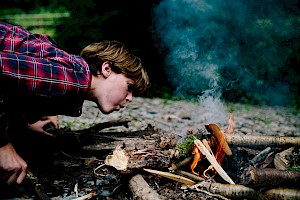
[[123, 61]]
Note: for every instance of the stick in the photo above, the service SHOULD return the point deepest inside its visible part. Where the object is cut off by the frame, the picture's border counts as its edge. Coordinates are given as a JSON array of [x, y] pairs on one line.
[[260, 157], [269, 176], [182, 163], [171, 176], [235, 191], [189, 175], [213, 161], [141, 190], [261, 140], [282, 193]]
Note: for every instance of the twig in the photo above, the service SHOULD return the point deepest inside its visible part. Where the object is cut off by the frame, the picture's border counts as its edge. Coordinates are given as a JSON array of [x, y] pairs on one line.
[[189, 175], [260, 157], [182, 163], [171, 176]]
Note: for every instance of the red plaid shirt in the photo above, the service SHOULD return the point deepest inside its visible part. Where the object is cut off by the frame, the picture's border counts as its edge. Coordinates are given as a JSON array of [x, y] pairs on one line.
[[33, 67]]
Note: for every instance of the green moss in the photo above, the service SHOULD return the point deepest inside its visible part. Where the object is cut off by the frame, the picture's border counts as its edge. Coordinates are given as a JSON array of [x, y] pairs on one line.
[[186, 146]]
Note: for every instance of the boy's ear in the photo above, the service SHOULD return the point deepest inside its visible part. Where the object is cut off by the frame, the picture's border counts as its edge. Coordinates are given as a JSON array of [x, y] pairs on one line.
[[106, 69]]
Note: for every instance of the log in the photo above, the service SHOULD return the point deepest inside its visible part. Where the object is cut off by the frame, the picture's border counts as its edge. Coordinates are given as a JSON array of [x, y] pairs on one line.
[[261, 140], [282, 193], [143, 148], [257, 177], [141, 190], [129, 161], [232, 191], [107, 141]]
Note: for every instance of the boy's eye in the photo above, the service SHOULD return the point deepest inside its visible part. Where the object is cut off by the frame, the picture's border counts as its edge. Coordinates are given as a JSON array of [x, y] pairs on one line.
[[130, 87]]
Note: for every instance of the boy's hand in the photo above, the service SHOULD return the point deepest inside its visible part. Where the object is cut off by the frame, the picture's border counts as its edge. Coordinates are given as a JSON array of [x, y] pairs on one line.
[[38, 127], [12, 166]]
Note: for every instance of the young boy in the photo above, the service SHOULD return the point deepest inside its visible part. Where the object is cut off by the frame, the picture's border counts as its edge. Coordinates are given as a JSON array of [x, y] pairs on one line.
[[39, 79]]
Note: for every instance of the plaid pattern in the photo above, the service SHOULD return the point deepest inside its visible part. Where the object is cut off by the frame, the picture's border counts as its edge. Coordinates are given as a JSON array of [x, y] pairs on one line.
[[33, 65], [36, 63]]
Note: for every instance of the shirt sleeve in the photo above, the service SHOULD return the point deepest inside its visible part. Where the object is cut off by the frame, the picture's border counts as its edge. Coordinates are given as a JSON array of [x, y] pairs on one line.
[[33, 64], [44, 77]]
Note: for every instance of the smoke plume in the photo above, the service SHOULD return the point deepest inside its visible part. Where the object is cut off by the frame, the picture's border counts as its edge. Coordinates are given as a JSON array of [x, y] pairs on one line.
[[215, 46]]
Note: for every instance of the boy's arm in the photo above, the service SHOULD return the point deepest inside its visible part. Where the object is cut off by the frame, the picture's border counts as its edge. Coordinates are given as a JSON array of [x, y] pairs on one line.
[[45, 77]]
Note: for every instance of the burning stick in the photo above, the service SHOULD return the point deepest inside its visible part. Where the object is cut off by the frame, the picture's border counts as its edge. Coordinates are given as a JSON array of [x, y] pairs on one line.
[[212, 160], [220, 141]]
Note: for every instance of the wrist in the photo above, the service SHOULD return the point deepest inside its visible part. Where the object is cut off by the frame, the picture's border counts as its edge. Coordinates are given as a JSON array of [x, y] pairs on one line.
[[4, 140]]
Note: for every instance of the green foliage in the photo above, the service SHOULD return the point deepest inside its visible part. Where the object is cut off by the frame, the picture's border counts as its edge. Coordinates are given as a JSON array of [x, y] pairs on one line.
[[186, 146]]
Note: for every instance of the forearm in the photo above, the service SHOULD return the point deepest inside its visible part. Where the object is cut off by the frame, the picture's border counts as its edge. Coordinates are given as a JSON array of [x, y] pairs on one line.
[[4, 136]]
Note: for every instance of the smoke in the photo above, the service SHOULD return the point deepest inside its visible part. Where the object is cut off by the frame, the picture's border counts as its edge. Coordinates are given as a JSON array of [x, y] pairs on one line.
[[215, 46]]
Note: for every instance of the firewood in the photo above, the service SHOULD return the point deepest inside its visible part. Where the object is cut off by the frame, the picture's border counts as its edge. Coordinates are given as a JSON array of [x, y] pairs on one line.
[[282, 193], [141, 190], [280, 161], [127, 161], [182, 163], [171, 176], [258, 177], [260, 157], [232, 191], [189, 175], [261, 140]]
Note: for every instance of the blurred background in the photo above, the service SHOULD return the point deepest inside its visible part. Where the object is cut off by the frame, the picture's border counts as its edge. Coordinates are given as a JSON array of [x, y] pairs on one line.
[[237, 51]]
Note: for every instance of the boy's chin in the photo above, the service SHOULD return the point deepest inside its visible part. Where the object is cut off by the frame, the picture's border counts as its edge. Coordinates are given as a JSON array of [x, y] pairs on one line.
[[107, 112]]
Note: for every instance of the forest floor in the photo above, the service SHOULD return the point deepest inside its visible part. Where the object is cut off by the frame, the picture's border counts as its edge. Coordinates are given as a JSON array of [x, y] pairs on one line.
[[60, 172]]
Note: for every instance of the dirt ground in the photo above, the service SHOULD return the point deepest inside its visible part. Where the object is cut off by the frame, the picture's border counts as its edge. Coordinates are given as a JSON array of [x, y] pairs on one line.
[[59, 168]]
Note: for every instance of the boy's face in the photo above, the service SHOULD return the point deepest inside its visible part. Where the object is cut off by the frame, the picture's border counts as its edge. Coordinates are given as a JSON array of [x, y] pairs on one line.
[[111, 91]]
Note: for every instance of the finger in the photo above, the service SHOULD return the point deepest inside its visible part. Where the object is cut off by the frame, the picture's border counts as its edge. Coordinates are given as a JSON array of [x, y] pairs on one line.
[[12, 178], [47, 133], [46, 122], [21, 176]]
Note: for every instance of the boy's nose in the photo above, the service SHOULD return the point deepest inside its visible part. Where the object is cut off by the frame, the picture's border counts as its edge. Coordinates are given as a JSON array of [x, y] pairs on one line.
[[129, 97]]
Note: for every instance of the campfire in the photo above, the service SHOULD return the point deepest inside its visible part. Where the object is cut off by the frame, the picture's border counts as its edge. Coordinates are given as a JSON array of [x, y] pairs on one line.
[[262, 177], [209, 161]]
